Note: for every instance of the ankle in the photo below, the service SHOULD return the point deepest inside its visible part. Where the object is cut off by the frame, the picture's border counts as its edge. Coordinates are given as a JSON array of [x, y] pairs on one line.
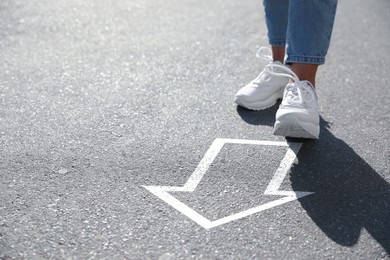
[[305, 71], [278, 53]]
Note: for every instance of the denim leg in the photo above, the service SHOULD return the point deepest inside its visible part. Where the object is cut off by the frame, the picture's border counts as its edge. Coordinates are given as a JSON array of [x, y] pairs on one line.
[[276, 17], [310, 25]]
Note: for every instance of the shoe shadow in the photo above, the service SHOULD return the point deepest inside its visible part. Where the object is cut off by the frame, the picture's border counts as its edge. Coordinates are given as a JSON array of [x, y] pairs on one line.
[[261, 117], [349, 194]]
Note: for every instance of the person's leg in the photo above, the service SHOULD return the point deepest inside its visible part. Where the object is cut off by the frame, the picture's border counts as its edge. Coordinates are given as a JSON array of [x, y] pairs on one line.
[[266, 89], [278, 53], [309, 31], [276, 17], [308, 36], [305, 71]]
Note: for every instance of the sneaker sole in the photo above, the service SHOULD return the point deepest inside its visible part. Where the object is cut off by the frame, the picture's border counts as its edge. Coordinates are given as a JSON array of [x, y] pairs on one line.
[[260, 105], [297, 129]]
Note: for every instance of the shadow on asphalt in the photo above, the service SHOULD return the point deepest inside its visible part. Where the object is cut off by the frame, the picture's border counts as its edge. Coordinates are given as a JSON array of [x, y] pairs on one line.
[[349, 194], [261, 117]]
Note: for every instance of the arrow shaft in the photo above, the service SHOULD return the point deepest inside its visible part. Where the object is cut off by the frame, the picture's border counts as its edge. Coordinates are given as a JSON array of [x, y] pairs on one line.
[[212, 153], [204, 164], [284, 167]]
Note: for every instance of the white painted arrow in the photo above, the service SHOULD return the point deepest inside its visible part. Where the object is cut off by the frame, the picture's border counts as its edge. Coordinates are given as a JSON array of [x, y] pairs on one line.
[[272, 189]]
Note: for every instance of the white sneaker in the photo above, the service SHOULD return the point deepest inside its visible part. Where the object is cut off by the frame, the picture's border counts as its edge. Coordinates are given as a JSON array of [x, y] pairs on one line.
[[298, 114], [265, 89]]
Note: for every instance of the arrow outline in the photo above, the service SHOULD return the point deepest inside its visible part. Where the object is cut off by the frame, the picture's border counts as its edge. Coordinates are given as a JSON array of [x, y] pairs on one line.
[[162, 192]]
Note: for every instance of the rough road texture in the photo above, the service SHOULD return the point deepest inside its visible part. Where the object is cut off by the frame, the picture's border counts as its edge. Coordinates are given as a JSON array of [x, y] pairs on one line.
[[98, 98]]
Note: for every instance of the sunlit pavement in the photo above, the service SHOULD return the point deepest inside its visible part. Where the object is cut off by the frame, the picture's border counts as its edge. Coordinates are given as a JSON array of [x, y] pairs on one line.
[[120, 138]]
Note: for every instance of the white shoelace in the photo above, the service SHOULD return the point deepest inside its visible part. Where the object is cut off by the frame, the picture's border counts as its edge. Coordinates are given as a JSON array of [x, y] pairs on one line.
[[295, 93], [264, 53]]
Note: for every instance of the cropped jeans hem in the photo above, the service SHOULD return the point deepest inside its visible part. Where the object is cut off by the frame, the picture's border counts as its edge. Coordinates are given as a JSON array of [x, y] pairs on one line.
[[319, 60], [277, 42]]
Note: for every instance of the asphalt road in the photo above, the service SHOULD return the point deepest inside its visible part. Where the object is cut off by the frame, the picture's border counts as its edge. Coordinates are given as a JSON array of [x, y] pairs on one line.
[[101, 98]]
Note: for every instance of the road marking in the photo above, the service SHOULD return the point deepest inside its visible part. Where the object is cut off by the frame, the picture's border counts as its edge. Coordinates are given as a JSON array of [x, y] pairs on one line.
[[272, 189]]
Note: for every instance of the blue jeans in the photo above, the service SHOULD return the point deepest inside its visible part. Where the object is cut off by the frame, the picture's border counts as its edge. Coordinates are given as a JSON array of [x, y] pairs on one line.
[[304, 26]]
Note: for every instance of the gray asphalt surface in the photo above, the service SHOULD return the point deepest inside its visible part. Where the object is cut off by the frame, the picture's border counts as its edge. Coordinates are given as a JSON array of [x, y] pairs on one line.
[[99, 98]]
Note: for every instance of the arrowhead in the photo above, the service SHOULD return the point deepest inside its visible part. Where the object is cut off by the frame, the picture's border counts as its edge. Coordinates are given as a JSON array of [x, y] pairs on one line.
[[272, 189]]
